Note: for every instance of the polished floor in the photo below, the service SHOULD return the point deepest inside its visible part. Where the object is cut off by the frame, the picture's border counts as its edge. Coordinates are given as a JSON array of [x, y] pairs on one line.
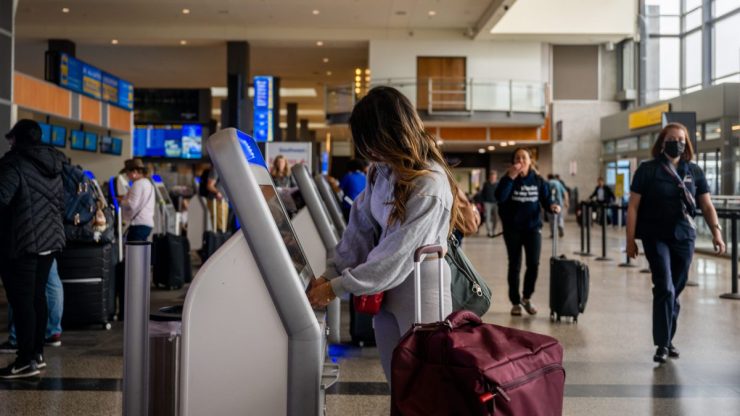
[[608, 353]]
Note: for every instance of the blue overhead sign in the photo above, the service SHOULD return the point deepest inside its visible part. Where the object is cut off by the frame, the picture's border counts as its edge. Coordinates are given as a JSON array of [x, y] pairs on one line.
[[86, 79], [250, 149], [263, 106]]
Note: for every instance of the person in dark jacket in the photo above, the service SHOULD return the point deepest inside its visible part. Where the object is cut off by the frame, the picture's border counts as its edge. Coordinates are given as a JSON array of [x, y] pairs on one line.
[[519, 194], [31, 233], [604, 195], [664, 198]]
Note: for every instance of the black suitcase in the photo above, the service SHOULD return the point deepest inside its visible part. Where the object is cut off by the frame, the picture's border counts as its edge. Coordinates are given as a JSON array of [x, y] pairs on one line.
[[569, 284], [169, 258], [87, 272], [360, 327], [212, 241]]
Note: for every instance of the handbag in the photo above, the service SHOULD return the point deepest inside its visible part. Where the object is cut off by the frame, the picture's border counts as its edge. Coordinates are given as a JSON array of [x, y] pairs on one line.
[[469, 290], [369, 304]]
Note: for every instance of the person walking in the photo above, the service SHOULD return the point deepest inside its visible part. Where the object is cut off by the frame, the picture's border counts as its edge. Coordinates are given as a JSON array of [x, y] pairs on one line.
[[408, 202], [488, 197], [138, 205], [604, 196], [31, 235], [520, 194], [664, 196]]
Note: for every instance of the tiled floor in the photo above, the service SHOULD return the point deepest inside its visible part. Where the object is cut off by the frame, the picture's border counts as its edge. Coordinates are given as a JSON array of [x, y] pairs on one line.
[[607, 353]]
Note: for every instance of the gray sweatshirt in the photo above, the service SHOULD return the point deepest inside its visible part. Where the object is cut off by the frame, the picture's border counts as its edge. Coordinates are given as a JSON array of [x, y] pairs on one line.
[[373, 257]]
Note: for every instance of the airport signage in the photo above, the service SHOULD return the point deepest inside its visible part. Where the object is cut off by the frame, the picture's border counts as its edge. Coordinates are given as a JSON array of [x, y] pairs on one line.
[[263, 106], [294, 152], [250, 149], [86, 79], [649, 116]]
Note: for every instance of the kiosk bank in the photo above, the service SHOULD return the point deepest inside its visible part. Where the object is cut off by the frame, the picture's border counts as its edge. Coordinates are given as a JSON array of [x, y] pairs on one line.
[[251, 344]]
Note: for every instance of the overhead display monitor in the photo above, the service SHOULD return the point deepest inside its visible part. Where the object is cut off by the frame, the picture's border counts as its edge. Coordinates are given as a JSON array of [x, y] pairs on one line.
[[83, 78], [263, 105], [45, 133], [70, 73], [192, 141], [91, 142], [91, 81], [171, 141], [58, 136], [77, 140]]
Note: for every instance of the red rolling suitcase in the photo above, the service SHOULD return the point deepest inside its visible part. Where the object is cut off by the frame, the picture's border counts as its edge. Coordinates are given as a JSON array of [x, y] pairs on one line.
[[461, 366]]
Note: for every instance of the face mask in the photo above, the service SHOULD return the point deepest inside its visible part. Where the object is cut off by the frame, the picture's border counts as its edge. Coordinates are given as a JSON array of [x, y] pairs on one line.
[[674, 149]]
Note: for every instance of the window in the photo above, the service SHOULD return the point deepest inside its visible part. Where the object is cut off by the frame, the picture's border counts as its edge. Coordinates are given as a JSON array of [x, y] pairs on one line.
[[608, 147], [692, 20], [712, 130], [721, 7], [726, 48], [664, 6], [668, 65], [692, 59], [646, 141]]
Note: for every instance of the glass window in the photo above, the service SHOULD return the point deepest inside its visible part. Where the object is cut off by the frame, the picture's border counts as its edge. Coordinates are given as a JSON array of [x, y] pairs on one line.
[[691, 5], [609, 147], [663, 6], [692, 59], [627, 145], [726, 48], [668, 65], [664, 25], [723, 6], [646, 141], [668, 94], [692, 20], [712, 130], [731, 78]]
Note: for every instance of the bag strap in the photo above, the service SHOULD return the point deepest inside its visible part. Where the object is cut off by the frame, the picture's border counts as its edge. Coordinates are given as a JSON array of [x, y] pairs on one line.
[[688, 201]]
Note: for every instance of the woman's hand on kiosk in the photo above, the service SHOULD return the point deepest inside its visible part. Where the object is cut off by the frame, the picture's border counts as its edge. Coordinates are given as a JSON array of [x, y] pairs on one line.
[[320, 296], [632, 249], [317, 281]]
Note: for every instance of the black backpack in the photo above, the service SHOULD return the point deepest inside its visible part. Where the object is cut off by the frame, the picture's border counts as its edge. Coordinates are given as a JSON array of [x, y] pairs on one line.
[[83, 200], [203, 185]]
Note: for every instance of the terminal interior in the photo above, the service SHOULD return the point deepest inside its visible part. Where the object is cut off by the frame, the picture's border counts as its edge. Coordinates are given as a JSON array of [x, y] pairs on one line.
[[192, 87]]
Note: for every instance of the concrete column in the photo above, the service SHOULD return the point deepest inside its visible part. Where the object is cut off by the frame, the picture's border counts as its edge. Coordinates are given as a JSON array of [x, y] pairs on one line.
[[303, 133], [239, 114], [7, 61], [291, 131], [277, 135]]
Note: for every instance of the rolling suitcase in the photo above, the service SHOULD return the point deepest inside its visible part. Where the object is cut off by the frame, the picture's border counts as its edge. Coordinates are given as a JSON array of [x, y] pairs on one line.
[[171, 260], [569, 283], [214, 238], [461, 366], [87, 272], [360, 327]]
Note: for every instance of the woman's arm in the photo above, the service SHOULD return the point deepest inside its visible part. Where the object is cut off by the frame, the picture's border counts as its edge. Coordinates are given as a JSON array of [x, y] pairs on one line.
[[632, 208], [710, 216], [504, 189]]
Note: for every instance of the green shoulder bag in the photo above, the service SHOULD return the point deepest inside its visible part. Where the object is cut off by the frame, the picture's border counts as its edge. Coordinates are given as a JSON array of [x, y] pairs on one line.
[[469, 290]]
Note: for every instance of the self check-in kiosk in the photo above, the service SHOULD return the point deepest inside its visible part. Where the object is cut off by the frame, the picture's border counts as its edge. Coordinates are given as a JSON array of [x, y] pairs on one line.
[[331, 203], [199, 220], [251, 344], [165, 215], [318, 235]]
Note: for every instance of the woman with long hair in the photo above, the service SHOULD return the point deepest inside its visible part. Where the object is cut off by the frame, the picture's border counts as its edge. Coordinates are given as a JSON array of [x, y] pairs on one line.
[[520, 193], [664, 196], [280, 172], [408, 202]]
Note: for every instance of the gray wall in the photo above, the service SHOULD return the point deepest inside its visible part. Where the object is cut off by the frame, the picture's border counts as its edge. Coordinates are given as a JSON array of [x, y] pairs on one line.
[[575, 72]]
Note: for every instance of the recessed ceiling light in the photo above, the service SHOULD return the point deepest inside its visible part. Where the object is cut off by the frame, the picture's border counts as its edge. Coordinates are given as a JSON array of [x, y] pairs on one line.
[[432, 13], [512, 143], [315, 12], [65, 9], [492, 148], [440, 142], [401, 13], [326, 60], [504, 144], [183, 42], [328, 73], [481, 150], [114, 41], [185, 11], [319, 43]]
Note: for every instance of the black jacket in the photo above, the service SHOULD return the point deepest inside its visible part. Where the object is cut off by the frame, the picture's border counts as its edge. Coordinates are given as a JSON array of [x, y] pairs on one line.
[[31, 201], [608, 194]]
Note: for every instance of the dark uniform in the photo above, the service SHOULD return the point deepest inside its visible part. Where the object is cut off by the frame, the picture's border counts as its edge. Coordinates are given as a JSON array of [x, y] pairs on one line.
[[667, 235]]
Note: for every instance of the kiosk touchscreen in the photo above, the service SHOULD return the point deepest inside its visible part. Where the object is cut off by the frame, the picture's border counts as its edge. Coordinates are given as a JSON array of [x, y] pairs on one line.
[[165, 217], [251, 344]]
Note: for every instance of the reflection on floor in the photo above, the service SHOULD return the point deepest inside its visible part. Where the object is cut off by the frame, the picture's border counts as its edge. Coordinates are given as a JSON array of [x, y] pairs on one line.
[[607, 353]]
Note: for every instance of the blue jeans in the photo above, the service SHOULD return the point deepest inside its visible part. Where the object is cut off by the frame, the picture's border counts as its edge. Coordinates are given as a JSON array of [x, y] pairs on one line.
[[54, 303], [138, 233]]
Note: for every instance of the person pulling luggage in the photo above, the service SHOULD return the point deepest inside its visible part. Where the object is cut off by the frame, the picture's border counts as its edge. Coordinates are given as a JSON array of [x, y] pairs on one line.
[[519, 194], [409, 202], [664, 196]]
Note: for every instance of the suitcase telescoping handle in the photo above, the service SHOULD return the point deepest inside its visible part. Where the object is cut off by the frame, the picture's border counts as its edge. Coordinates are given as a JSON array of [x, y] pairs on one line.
[[419, 255], [555, 235]]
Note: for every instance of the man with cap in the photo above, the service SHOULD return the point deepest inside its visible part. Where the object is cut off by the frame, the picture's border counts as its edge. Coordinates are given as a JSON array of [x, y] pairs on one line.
[[137, 206], [31, 233]]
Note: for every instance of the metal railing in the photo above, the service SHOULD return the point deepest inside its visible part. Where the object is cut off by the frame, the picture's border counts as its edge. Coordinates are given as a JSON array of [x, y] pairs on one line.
[[461, 96], [704, 233]]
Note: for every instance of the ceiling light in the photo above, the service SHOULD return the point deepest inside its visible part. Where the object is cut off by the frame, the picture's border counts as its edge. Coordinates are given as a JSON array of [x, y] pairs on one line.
[[221, 92], [358, 71], [736, 127], [432, 13], [185, 11], [440, 142], [367, 71], [401, 13], [114, 41], [512, 143], [481, 150], [65, 9], [358, 79], [319, 43], [328, 73], [183, 42], [504, 144], [492, 148], [326, 60], [315, 12]]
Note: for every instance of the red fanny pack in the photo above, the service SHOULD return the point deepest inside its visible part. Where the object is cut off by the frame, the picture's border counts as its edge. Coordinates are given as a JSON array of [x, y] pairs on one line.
[[369, 304]]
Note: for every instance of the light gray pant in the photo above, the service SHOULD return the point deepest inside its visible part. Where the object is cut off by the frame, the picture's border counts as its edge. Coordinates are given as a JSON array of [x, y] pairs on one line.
[[397, 314], [491, 216]]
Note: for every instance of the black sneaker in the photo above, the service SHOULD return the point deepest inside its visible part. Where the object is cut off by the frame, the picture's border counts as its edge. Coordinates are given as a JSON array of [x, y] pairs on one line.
[[673, 352], [40, 362], [15, 370], [661, 355], [8, 348]]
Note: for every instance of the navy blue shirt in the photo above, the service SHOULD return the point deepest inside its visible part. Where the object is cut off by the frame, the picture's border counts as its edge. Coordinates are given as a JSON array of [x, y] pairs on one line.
[[661, 212], [519, 201], [352, 184]]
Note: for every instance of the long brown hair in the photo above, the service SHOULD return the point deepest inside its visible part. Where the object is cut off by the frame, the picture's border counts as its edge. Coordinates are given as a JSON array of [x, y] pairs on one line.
[[279, 173], [386, 128], [688, 151]]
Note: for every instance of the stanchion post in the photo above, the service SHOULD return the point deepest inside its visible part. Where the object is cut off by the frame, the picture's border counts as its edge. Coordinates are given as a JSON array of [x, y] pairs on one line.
[[734, 294], [587, 225], [603, 234], [582, 223], [136, 329]]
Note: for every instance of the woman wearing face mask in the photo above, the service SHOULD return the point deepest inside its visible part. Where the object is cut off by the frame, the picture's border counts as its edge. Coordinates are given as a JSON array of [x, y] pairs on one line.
[[664, 196], [520, 194]]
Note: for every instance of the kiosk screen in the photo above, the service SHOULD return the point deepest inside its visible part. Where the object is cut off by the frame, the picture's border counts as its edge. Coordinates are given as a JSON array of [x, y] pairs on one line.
[[286, 231]]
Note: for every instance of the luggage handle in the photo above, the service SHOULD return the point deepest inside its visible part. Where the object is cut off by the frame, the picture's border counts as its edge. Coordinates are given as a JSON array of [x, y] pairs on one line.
[[419, 256], [555, 235]]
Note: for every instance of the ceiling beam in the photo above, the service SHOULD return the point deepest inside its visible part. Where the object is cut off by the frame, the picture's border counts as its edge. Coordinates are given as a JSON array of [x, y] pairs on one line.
[[491, 16]]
